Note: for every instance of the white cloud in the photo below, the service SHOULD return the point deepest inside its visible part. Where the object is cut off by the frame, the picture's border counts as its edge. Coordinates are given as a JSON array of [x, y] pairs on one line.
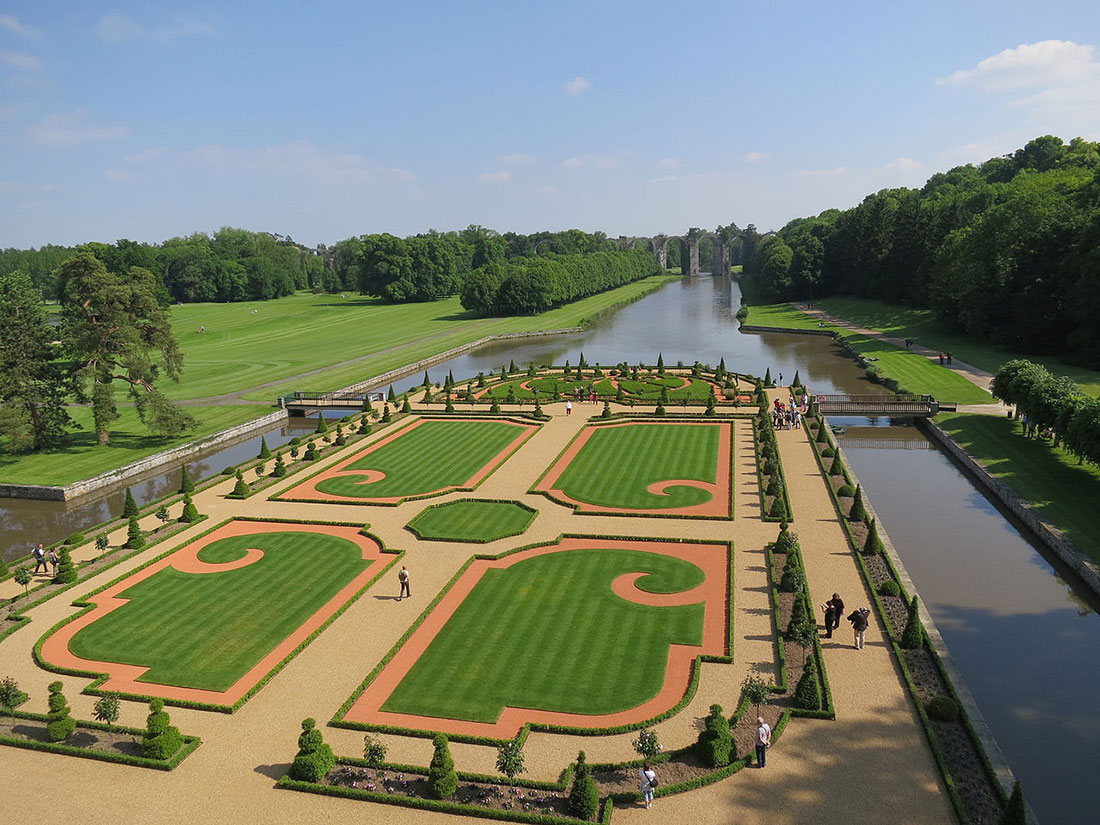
[[118, 28], [20, 60], [755, 157], [494, 177], [12, 24], [605, 162], [577, 85], [669, 163], [905, 165], [677, 178], [822, 173], [299, 159], [147, 155], [398, 173], [1031, 65], [71, 130], [517, 158], [572, 163], [116, 175]]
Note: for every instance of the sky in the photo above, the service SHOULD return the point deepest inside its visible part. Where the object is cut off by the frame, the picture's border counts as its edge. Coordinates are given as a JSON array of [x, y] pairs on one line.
[[323, 120]]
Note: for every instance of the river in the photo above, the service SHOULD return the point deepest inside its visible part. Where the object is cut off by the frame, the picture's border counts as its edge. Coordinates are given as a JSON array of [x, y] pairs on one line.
[[1021, 630]]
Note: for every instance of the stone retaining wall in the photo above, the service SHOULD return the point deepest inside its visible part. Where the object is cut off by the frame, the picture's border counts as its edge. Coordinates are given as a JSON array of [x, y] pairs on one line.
[[749, 328], [1050, 535]]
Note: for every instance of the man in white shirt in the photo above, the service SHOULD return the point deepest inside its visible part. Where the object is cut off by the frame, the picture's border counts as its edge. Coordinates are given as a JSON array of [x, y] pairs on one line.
[[763, 741]]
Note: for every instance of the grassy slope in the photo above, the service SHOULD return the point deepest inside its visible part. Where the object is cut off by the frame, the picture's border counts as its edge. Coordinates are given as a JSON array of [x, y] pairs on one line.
[[428, 458], [921, 326], [473, 521], [548, 633], [83, 457], [617, 464], [913, 372], [207, 630], [1065, 493]]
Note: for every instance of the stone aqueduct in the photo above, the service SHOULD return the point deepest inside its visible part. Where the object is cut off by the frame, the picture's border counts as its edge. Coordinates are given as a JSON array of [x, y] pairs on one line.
[[721, 238]]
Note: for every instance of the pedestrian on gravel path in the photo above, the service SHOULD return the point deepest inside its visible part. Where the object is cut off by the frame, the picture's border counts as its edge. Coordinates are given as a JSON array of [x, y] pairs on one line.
[[838, 609], [648, 778], [859, 618], [40, 559], [763, 741], [830, 615], [403, 579], [568, 407]]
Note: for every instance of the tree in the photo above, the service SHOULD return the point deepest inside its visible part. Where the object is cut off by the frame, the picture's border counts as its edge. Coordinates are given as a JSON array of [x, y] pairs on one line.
[[715, 740], [374, 751], [162, 513], [1015, 812], [584, 796], [265, 451], [33, 386], [129, 506], [510, 759], [115, 330], [913, 635], [756, 691], [279, 470], [872, 545], [66, 570], [190, 511], [807, 694], [187, 484], [241, 488], [793, 578], [59, 721], [647, 744], [135, 540], [858, 511], [10, 695], [161, 739], [23, 577], [101, 542], [391, 396], [322, 425], [442, 777], [106, 709], [661, 363]]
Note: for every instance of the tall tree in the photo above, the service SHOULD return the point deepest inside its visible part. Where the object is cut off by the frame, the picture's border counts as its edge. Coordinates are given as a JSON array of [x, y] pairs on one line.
[[115, 330]]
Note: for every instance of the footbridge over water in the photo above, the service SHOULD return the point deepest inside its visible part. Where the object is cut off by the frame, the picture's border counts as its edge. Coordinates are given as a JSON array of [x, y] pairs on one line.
[[303, 403], [904, 405]]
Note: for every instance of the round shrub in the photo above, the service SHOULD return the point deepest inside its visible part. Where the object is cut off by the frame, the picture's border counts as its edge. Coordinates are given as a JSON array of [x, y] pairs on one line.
[[846, 490], [828, 452], [75, 538], [889, 588], [230, 470], [942, 709], [294, 442]]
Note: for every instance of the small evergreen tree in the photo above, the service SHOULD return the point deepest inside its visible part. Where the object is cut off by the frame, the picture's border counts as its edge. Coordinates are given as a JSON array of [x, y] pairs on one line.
[[311, 453], [584, 796], [787, 541], [495, 408], [59, 721], [710, 406], [241, 488], [106, 709], [779, 508], [129, 506], [661, 364], [793, 579], [664, 395], [265, 452], [720, 373], [187, 484], [716, 741], [511, 366], [582, 364], [23, 577], [659, 411], [619, 394], [807, 695], [800, 615], [480, 379], [260, 470], [756, 691], [101, 542], [190, 511], [442, 777], [768, 378], [10, 695], [567, 372], [315, 757], [450, 407], [510, 759], [538, 406], [858, 511], [279, 470], [134, 538], [872, 546], [341, 439], [606, 413], [647, 745], [837, 468], [386, 414], [822, 436], [391, 396], [427, 382], [912, 637], [797, 382], [162, 513], [531, 371], [775, 485], [66, 570], [1015, 812]]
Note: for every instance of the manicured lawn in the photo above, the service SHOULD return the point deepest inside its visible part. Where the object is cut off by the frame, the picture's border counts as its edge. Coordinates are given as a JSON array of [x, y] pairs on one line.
[[428, 458], [548, 633], [922, 326], [616, 465], [207, 630], [471, 520], [83, 457], [1065, 493], [913, 372], [645, 388]]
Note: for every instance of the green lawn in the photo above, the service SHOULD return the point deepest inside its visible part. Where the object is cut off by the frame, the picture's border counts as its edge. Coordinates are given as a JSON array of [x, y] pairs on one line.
[[616, 465], [83, 457], [472, 520], [1065, 493], [922, 326], [912, 371], [428, 458], [548, 633], [646, 388], [207, 630]]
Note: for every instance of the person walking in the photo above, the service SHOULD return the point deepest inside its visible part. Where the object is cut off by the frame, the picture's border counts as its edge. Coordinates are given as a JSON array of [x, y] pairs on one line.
[[859, 618], [568, 407], [40, 559], [55, 559], [838, 609], [648, 778], [403, 579], [763, 741], [830, 614]]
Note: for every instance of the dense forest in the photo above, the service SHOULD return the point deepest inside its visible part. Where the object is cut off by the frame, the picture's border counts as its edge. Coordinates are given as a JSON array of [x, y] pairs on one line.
[[1008, 250]]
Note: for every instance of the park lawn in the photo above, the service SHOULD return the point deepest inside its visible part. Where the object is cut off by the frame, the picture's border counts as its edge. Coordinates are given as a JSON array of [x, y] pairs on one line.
[[616, 464], [548, 633], [130, 441], [430, 457], [912, 371], [207, 630], [1065, 493], [256, 342], [922, 326], [479, 521]]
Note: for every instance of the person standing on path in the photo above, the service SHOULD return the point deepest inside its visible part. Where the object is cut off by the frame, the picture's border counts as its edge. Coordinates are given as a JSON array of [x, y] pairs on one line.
[[39, 559], [859, 618], [568, 407], [830, 615], [403, 579], [648, 778], [55, 559], [838, 609], [763, 741]]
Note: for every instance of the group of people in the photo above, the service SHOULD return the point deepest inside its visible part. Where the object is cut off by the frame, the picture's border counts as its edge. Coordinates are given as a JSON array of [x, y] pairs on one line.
[[593, 396], [788, 416], [860, 619], [44, 559]]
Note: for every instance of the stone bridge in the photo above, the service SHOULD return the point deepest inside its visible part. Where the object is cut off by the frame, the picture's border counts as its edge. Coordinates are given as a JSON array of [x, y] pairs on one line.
[[722, 238]]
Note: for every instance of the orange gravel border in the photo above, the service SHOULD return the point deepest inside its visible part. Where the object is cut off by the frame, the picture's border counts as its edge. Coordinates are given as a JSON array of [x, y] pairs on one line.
[[307, 489], [718, 506], [713, 592], [124, 678]]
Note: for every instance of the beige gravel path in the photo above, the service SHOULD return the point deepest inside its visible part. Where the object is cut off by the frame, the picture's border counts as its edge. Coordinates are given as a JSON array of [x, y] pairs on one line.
[[871, 765]]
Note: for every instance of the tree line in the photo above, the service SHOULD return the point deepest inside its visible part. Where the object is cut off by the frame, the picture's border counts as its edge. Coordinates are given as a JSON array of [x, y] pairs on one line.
[[1008, 250], [1051, 404]]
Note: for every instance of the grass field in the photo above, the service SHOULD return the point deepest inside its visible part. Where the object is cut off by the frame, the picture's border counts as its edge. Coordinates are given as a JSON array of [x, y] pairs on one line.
[[207, 630], [1065, 493], [472, 520], [646, 388], [549, 634], [617, 464], [912, 371], [430, 457]]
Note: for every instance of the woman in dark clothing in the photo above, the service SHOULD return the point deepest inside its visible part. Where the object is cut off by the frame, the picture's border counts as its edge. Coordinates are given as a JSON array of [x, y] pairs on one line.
[[838, 609], [830, 614]]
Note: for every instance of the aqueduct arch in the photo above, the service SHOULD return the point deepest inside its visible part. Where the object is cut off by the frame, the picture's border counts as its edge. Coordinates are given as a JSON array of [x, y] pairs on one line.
[[721, 238]]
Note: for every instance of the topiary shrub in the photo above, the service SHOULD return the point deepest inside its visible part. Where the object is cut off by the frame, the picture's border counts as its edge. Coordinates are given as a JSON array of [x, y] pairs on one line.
[[889, 588], [449, 407], [386, 414], [190, 511], [942, 709], [779, 508], [66, 570], [710, 406], [311, 453], [872, 545], [858, 511], [322, 425], [913, 635], [584, 796], [265, 451], [129, 506], [786, 542], [187, 484], [828, 452], [775, 485], [659, 411], [241, 488], [716, 741], [161, 739], [279, 470], [407, 407], [837, 468], [442, 777], [495, 408], [1015, 812], [846, 490], [800, 615], [3, 569], [793, 579], [135, 540], [59, 721], [75, 538], [314, 758], [807, 695]]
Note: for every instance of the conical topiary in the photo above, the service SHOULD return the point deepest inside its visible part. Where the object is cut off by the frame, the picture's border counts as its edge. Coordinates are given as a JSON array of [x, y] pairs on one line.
[[187, 484], [135, 540], [872, 546], [797, 382], [66, 570], [450, 407], [442, 777], [59, 721], [913, 635], [858, 511], [716, 741], [779, 508], [659, 411], [661, 364], [799, 615], [428, 381], [787, 541], [495, 408], [837, 468], [1015, 812], [775, 485], [584, 796], [807, 695], [129, 506], [768, 377], [161, 740], [314, 758], [265, 451], [391, 396]]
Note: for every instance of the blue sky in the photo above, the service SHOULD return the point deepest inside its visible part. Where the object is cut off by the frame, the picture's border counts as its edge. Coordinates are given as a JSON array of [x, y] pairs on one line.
[[323, 120]]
